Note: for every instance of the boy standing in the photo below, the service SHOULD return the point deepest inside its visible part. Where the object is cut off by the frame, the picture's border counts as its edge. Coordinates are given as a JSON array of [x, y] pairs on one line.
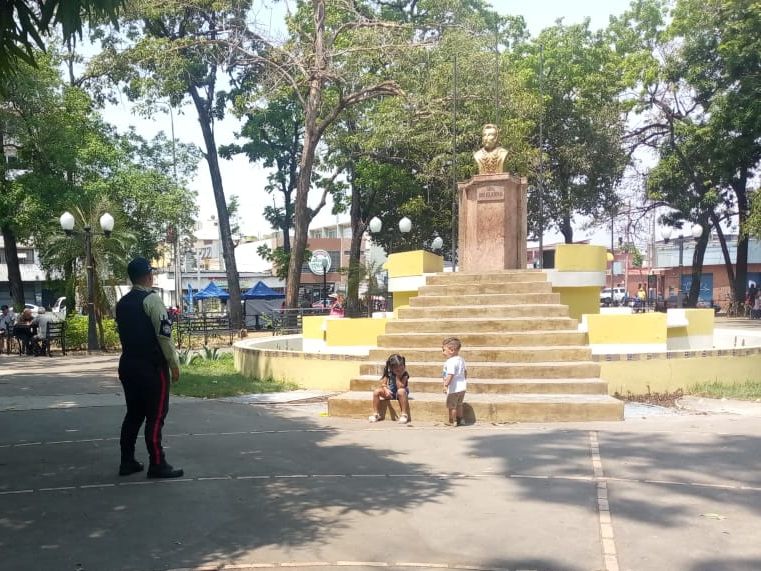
[[454, 379]]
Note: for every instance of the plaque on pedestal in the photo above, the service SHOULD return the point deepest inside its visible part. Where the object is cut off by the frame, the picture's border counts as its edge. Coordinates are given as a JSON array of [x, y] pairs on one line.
[[492, 223]]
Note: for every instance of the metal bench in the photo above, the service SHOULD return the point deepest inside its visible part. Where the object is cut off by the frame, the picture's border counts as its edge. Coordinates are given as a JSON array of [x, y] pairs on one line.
[[205, 326], [56, 333]]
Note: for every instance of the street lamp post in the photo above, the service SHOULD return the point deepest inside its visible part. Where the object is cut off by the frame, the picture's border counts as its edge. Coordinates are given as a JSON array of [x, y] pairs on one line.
[[405, 226], [107, 225], [697, 232], [325, 263]]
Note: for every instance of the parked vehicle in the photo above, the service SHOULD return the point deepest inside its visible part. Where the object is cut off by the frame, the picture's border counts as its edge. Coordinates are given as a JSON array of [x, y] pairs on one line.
[[35, 308], [59, 307], [612, 297]]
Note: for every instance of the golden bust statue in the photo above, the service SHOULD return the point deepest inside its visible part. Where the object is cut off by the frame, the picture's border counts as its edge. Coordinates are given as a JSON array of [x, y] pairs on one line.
[[491, 158]]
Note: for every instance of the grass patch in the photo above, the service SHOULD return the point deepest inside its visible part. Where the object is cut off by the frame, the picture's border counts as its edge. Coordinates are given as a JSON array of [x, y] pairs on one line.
[[218, 378], [749, 390]]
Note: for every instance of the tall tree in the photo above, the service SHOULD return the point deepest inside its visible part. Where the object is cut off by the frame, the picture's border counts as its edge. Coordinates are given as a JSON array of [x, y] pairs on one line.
[[174, 51], [584, 119], [719, 57], [323, 63], [697, 80], [40, 123]]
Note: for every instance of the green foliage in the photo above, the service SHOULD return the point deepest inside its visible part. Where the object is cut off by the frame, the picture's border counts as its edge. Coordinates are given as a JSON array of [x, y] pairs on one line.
[[24, 25], [210, 353], [76, 333], [187, 357], [697, 82]]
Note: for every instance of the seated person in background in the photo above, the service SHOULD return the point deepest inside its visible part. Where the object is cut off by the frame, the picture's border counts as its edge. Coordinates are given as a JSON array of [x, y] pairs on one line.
[[22, 330], [7, 320], [755, 313], [41, 321]]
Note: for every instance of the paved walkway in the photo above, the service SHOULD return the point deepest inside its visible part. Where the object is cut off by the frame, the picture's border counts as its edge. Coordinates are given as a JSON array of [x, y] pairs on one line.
[[282, 485]]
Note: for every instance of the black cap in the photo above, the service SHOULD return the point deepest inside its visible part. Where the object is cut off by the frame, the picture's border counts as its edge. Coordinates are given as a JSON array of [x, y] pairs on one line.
[[138, 268]]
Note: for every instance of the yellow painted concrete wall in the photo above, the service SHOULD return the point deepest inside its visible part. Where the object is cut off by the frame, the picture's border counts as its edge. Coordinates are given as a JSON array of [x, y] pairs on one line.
[[580, 300], [402, 298], [580, 258], [700, 322], [648, 328], [413, 263], [312, 326], [660, 375], [356, 331], [309, 371]]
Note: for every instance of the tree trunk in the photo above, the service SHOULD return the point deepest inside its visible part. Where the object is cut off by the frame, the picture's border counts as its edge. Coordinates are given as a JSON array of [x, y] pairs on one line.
[[203, 108], [566, 229], [355, 250], [697, 265], [14, 270], [741, 259], [725, 252], [301, 216]]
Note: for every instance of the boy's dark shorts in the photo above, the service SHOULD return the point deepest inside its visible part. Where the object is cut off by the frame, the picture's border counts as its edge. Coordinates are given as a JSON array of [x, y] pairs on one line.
[[455, 399]]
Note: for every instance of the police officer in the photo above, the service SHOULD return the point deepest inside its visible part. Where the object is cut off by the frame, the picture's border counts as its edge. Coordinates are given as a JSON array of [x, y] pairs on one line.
[[148, 357]]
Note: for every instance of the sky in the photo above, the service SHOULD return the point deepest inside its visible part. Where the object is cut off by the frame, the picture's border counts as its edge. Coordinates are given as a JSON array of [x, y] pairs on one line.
[[247, 181]]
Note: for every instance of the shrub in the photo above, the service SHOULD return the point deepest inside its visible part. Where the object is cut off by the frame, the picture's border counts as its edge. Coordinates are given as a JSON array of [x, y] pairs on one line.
[[76, 333]]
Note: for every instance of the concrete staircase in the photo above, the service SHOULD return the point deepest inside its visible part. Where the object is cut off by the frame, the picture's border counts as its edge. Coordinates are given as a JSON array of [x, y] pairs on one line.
[[526, 361]]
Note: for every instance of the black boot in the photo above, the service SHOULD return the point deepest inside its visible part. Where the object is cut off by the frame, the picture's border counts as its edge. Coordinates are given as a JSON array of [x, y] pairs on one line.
[[128, 467], [164, 471]]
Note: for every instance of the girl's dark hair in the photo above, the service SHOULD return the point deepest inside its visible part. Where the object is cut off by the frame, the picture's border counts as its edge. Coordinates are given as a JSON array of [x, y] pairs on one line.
[[393, 361]]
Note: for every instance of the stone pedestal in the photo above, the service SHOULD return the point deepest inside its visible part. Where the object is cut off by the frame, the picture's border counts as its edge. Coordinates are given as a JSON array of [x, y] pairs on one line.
[[492, 223]]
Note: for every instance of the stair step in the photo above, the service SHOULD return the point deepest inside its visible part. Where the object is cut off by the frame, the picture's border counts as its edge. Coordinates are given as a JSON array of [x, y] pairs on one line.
[[489, 299], [514, 338], [495, 386], [525, 310], [449, 278], [464, 325], [525, 354], [541, 370], [486, 288], [491, 407]]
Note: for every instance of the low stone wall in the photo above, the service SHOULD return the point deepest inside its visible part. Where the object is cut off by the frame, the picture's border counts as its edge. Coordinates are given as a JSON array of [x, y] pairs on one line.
[[639, 373], [281, 358]]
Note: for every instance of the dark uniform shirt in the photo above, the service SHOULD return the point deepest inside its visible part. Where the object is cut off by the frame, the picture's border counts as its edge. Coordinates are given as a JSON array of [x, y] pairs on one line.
[[145, 330]]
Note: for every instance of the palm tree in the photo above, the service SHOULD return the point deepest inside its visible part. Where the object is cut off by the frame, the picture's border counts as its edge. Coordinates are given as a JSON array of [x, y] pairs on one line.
[[369, 272], [110, 256]]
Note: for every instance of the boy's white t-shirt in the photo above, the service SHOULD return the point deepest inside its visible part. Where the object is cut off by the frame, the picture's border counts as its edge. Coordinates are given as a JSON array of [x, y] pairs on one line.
[[455, 366]]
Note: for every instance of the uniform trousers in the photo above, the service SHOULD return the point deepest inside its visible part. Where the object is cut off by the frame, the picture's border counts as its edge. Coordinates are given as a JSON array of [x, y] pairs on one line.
[[146, 390]]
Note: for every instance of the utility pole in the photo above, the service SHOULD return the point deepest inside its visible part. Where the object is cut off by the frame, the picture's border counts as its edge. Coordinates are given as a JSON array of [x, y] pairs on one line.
[[454, 163], [177, 265], [541, 158]]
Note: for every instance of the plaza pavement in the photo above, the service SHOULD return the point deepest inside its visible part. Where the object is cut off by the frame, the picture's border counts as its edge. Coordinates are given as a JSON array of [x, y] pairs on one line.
[[284, 486]]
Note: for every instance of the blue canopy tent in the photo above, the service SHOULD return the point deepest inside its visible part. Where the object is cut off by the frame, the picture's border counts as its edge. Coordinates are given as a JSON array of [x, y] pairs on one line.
[[262, 291], [260, 300], [212, 291]]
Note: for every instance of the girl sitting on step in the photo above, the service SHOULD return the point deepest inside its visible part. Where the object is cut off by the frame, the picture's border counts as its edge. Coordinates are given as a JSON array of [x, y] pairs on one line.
[[393, 386]]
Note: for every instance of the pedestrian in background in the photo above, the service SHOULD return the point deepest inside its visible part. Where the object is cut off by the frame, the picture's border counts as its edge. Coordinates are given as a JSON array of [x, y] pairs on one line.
[[148, 358]]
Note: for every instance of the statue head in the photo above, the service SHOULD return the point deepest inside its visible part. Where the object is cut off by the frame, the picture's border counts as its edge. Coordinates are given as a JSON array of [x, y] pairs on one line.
[[490, 136]]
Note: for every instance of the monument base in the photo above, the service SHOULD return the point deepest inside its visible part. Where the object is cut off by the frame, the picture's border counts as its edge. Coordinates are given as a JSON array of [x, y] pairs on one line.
[[493, 223]]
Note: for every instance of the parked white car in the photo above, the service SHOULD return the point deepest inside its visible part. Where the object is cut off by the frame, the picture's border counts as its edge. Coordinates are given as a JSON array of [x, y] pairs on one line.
[[59, 307], [35, 308], [617, 295]]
